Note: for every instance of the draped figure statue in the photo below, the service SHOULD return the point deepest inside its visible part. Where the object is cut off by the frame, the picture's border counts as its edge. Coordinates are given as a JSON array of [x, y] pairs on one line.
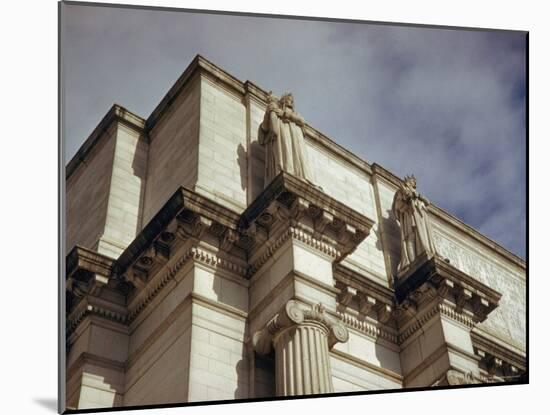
[[281, 133], [411, 211]]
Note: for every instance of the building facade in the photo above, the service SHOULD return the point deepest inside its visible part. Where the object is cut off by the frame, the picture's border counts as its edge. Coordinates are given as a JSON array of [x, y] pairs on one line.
[[224, 249]]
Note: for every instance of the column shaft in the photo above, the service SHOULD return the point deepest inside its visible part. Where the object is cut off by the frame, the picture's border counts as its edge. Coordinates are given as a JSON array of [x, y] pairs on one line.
[[302, 360]]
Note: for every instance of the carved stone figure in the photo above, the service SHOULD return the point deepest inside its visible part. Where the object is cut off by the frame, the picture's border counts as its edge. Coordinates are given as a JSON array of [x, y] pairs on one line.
[[411, 211], [282, 135]]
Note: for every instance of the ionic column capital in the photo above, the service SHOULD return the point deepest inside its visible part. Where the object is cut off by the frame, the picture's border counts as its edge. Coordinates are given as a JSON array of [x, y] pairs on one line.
[[293, 314]]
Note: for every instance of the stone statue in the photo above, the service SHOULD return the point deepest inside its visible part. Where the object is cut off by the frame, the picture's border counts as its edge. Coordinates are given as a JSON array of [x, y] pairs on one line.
[[282, 135], [411, 211]]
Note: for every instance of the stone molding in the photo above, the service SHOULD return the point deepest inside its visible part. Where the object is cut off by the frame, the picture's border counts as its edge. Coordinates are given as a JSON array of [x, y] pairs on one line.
[[293, 314], [433, 278], [454, 377], [427, 315], [499, 360], [462, 227], [91, 305], [289, 207], [188, 217], [367, 328], [90, 358], [296, 233], [365, 296], [195, 254], [428, 361]]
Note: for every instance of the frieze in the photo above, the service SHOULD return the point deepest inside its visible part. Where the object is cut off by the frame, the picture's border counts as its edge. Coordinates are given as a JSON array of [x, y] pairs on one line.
[[508, 320], [455, 377]]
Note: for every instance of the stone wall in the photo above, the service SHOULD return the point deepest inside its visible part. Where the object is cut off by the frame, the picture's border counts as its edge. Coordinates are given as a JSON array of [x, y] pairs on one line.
[[173, 154], [88, 194], [222, 161], [124, 212], [188, 337], [507, 322]]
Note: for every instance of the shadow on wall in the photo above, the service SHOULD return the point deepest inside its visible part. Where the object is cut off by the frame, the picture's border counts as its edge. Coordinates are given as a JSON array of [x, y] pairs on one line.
[[255, 160], [140, 172], [392, 239], [236, 296], [242, 391], [388, 359], [243, 165]]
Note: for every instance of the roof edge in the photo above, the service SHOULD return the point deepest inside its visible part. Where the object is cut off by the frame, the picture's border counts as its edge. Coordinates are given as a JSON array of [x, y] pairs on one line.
[[115, 113], [199, 63]]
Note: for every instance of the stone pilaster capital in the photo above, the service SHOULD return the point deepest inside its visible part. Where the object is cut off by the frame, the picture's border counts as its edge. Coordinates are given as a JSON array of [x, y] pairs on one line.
[[293, 314]]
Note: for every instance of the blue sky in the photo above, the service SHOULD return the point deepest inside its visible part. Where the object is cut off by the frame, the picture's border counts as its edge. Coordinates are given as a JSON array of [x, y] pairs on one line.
[[446, 105]]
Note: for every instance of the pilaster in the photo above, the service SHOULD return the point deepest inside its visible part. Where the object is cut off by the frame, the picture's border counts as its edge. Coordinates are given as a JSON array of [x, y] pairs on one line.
[[97, 337], [438, 306], [295, 234]]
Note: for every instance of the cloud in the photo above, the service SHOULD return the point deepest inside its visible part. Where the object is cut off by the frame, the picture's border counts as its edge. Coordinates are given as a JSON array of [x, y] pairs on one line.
[[446, 105]]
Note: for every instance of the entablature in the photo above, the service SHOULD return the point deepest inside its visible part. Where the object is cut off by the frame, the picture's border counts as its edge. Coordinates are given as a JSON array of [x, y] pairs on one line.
[[292, 208], [429, 279]]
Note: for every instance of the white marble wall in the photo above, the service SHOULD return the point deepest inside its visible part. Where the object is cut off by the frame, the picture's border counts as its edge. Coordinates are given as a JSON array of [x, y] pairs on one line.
[[173, 152], [105, 194], [508, 321], [127, 190], [222, 161], [88, 194]]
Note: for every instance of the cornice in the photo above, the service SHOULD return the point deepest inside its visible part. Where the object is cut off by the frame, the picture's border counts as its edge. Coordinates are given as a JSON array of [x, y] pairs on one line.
[[285, 183], [427, 315], [494, 350], [292, 232], [379, 171], [429, 278], [82, 259], [292, 208], [362, 283], [90, 305], [198, 212], [96, 360], [115, 113], [147, 295]]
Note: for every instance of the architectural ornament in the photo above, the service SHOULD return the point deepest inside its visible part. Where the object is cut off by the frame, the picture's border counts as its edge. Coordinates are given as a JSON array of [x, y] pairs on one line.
[[301, 339], [410, 209], [282, 135]]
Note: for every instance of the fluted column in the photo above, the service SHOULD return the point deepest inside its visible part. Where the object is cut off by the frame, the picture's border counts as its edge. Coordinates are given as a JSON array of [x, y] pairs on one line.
[[301, 339]]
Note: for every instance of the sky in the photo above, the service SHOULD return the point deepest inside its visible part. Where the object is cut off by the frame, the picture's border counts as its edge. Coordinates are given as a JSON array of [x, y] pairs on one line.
[[446, 105]]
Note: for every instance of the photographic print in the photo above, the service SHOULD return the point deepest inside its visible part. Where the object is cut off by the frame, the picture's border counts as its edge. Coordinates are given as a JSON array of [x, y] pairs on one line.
[[260, 207]]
